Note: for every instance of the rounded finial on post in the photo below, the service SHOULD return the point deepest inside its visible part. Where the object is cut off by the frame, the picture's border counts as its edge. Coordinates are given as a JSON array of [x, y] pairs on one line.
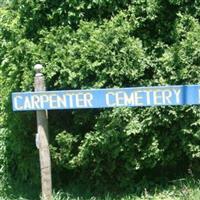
[[39, 80], [38, 68]]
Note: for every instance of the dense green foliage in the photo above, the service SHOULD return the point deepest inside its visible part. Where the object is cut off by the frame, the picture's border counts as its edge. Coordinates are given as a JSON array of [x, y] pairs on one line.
[[101, 44]]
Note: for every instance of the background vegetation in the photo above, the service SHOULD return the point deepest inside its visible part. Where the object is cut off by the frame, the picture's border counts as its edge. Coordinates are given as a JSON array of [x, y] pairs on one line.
[[100, 44]]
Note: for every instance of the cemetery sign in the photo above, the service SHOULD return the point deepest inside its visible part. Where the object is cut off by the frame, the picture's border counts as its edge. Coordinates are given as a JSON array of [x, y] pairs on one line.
[[105, 98]]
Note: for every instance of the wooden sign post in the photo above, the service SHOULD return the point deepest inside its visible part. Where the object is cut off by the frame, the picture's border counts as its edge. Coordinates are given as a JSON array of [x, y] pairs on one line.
[[42, 128]]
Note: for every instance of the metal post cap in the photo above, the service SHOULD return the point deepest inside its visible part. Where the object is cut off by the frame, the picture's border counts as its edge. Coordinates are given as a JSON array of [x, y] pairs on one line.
[[38, 68]]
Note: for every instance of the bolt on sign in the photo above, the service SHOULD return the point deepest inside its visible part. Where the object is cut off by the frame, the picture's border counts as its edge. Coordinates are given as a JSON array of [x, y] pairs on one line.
[[105, 98]]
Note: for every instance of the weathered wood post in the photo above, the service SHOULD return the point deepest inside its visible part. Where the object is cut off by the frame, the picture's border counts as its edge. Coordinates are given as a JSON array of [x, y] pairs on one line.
[[42, 128]]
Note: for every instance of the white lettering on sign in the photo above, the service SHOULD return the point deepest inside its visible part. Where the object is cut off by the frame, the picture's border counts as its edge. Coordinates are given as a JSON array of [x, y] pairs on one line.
[[27, 103], [80, 101], [61, 101], [102, 98], [119, 98], [109, 97], [138, 98], [129, 99], [167, 94], [17, 106], [88, 99], [41, 101], [35, 100], [148, 97], [70, 100], [44, 99], [157, 97], [142, 97], [177, 93], [53, 101]]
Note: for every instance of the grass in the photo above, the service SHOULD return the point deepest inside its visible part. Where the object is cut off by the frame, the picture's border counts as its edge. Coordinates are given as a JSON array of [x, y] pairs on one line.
[[181, 189]]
